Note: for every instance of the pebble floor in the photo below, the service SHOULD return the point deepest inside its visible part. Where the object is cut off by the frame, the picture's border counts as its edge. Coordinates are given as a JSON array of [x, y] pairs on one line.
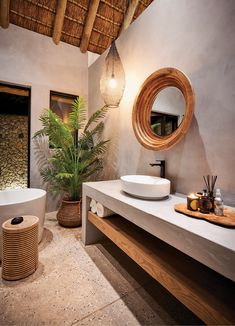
[[92, 285]]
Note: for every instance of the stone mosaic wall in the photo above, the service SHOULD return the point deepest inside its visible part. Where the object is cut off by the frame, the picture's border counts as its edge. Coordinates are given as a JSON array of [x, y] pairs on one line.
[[13, 151]]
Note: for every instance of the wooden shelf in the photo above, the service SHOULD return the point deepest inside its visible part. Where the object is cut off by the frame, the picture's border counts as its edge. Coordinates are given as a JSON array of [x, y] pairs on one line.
[[206, 293]]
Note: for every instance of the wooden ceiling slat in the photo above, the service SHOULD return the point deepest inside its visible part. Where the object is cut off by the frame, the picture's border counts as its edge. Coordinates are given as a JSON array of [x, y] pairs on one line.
[[139, 10], [106, 27], [43, 6], [98, 45], [76, 3], [93, 49], [38, 14], [31, 19], [109, 13], [110, 35], [93, 8], [71, 30], [73, 24], [27, 24], [72, 27], [59, 20], [4, 13], [76, 12], [52, 4], [77, 21], [113, 7], [144, 3], [101, 41], [73, 36], [129, 15], [108, 20], [41, 16]]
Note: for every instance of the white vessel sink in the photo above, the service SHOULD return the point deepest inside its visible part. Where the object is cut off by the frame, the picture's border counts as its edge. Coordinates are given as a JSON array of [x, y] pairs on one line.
[[145, 186]]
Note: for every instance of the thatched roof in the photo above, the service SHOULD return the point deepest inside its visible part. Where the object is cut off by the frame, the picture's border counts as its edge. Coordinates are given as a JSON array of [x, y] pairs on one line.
[[90, 25]]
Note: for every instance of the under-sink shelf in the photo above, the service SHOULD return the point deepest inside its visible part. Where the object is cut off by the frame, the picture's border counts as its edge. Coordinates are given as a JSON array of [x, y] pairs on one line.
[[205, 292]]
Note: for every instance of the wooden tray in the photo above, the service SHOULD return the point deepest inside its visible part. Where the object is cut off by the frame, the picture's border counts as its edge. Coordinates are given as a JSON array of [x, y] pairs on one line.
[[227, 220]]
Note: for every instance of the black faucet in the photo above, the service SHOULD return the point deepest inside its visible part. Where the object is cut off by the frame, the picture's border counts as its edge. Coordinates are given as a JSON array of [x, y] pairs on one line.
[[162, 165]]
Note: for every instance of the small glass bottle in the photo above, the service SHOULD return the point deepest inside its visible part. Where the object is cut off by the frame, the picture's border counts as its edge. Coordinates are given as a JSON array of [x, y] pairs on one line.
[[218, 203], [212, 200], [204, 203]]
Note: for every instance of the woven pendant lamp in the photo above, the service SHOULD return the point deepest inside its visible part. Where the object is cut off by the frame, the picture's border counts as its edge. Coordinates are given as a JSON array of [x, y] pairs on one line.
[[112, 82]]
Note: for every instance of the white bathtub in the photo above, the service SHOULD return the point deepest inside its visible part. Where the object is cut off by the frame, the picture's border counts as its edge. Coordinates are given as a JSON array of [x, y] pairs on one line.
[[18, 202]]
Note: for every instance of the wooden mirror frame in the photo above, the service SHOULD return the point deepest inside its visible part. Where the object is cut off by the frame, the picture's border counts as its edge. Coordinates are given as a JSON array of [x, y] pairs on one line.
[[155, 83]]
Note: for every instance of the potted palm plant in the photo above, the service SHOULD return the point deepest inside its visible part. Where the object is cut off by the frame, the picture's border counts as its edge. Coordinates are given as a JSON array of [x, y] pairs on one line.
[[76, 155]]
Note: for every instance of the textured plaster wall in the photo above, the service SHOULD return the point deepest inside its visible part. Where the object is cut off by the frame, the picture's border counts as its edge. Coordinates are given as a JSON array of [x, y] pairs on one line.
[[196, 37], [31, 59]]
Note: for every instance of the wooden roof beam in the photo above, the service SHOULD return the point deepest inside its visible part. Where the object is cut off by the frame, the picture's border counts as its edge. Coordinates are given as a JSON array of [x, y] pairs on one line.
[[129, 15], [4, 13], [59, 20], [93, 8]]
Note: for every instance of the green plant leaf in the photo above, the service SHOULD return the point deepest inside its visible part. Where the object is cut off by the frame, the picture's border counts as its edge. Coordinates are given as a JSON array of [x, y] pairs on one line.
[[78, 115], [96, 116]]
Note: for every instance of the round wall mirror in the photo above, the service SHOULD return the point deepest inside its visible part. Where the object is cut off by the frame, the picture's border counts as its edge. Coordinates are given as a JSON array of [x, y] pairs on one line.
[[163, 109]]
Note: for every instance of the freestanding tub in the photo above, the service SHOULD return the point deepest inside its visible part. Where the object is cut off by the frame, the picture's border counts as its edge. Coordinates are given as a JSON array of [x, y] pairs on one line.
[[18, 202]]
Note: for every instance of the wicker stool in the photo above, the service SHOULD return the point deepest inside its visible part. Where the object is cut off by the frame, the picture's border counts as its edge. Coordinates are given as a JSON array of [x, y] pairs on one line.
[[20, 248]]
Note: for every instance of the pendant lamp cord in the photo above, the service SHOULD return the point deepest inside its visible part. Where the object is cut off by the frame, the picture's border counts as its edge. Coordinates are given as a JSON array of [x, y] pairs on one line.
[[113, 41], [112, 76]]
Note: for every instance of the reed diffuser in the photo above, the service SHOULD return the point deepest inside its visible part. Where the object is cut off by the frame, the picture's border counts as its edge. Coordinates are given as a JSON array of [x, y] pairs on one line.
[[210, 186]]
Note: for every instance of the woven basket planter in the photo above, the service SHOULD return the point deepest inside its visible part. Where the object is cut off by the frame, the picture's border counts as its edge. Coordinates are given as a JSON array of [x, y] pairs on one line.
[[70, 213]]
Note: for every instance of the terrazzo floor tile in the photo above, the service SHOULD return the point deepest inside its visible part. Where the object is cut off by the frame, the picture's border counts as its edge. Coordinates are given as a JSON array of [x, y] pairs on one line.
[[97, 285], [147, 304], [132, 309], [117, 267]]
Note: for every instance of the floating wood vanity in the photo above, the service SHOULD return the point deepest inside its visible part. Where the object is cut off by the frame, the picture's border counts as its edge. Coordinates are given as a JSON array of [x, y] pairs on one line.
[[192, 259]]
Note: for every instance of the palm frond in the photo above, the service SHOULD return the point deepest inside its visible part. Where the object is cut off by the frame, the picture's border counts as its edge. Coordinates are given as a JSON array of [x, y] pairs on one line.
[[95, 169], [96, 151], [87, 158], [47, 174], [77, 117], [53, 127], [87, 136], [64, 175], [96, 116]]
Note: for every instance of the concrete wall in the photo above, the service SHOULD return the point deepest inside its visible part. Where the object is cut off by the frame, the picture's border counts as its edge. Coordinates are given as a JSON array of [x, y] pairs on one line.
[[196, 37], [31, 59]]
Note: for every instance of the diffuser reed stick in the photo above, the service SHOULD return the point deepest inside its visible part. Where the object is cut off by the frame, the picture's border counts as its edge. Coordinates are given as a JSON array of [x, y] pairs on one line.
[[210, 182]]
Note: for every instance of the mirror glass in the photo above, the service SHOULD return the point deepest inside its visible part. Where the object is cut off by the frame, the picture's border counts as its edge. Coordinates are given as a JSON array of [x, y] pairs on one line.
[[168, 111]]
